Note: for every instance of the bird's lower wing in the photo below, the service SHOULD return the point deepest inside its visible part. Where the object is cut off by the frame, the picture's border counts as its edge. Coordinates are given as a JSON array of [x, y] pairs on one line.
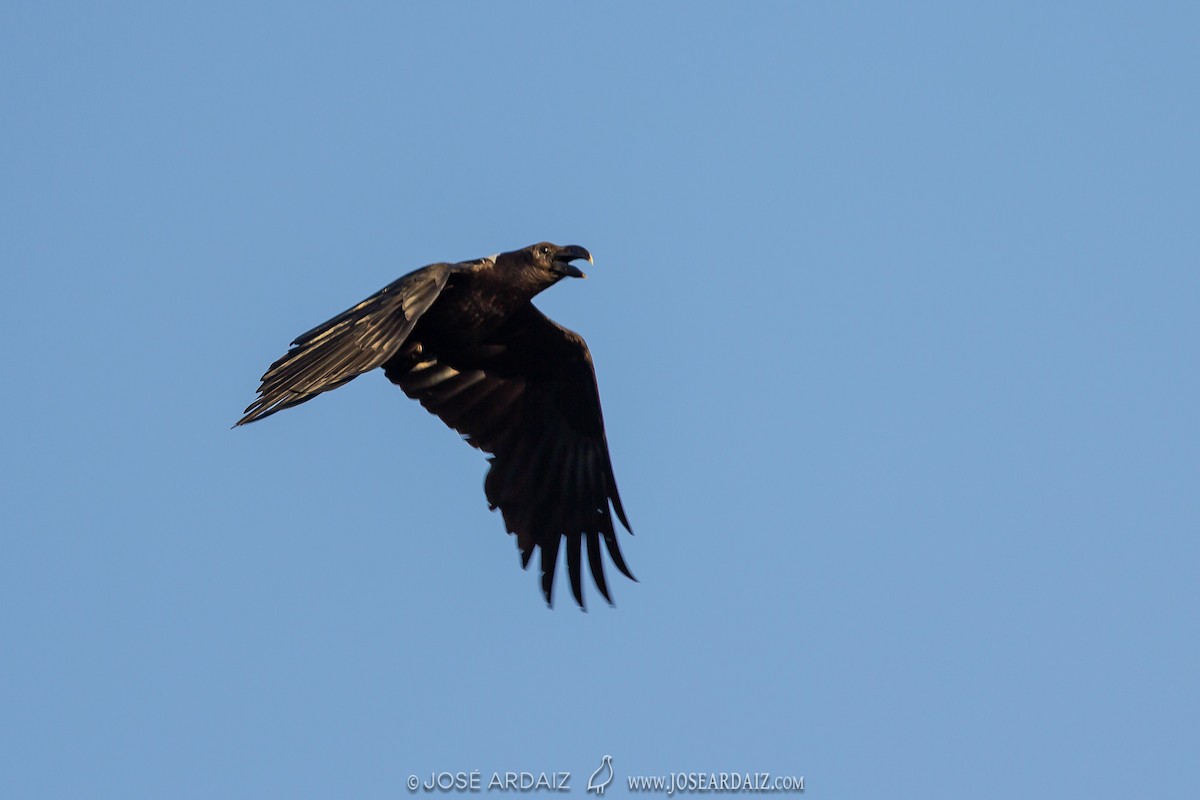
[[355, 341], [530, 399]]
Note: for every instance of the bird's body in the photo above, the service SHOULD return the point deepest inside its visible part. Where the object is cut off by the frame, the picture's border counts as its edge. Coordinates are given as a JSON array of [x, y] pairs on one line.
[[465, 340]]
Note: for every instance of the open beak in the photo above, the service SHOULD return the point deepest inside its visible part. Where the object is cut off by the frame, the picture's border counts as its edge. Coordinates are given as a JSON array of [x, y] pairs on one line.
[[564, 257]]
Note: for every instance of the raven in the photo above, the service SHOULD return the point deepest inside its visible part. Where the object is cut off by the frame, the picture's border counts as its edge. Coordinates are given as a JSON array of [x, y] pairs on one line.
[[466, 341]]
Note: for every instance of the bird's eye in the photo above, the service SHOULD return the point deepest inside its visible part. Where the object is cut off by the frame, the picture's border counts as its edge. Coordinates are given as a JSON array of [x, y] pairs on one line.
[[545, 251]]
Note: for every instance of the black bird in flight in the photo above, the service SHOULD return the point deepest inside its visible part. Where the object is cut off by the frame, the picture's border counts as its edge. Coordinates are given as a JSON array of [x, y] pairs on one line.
[[466, 341]]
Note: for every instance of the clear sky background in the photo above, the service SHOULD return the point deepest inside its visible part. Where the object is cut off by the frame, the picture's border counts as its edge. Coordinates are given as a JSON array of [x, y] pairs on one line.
[[895, 312]]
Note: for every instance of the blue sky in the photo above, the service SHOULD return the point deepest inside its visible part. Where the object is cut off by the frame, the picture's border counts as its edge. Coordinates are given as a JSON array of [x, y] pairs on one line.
[[894, 313]]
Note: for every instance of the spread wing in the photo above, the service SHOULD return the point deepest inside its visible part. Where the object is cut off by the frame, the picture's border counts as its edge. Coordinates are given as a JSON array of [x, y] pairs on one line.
[[528, 396], [355, 341]]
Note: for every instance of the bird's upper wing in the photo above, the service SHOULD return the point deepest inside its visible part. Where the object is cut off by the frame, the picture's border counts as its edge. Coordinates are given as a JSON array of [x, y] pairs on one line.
[[355, 341], [528, 396]]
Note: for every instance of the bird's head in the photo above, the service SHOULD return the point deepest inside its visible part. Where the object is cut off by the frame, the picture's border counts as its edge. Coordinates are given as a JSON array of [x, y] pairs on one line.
[[545, 264]]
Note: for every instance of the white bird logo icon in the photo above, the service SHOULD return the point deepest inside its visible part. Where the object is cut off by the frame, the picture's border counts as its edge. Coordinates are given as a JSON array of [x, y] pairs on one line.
[[602, 777]]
